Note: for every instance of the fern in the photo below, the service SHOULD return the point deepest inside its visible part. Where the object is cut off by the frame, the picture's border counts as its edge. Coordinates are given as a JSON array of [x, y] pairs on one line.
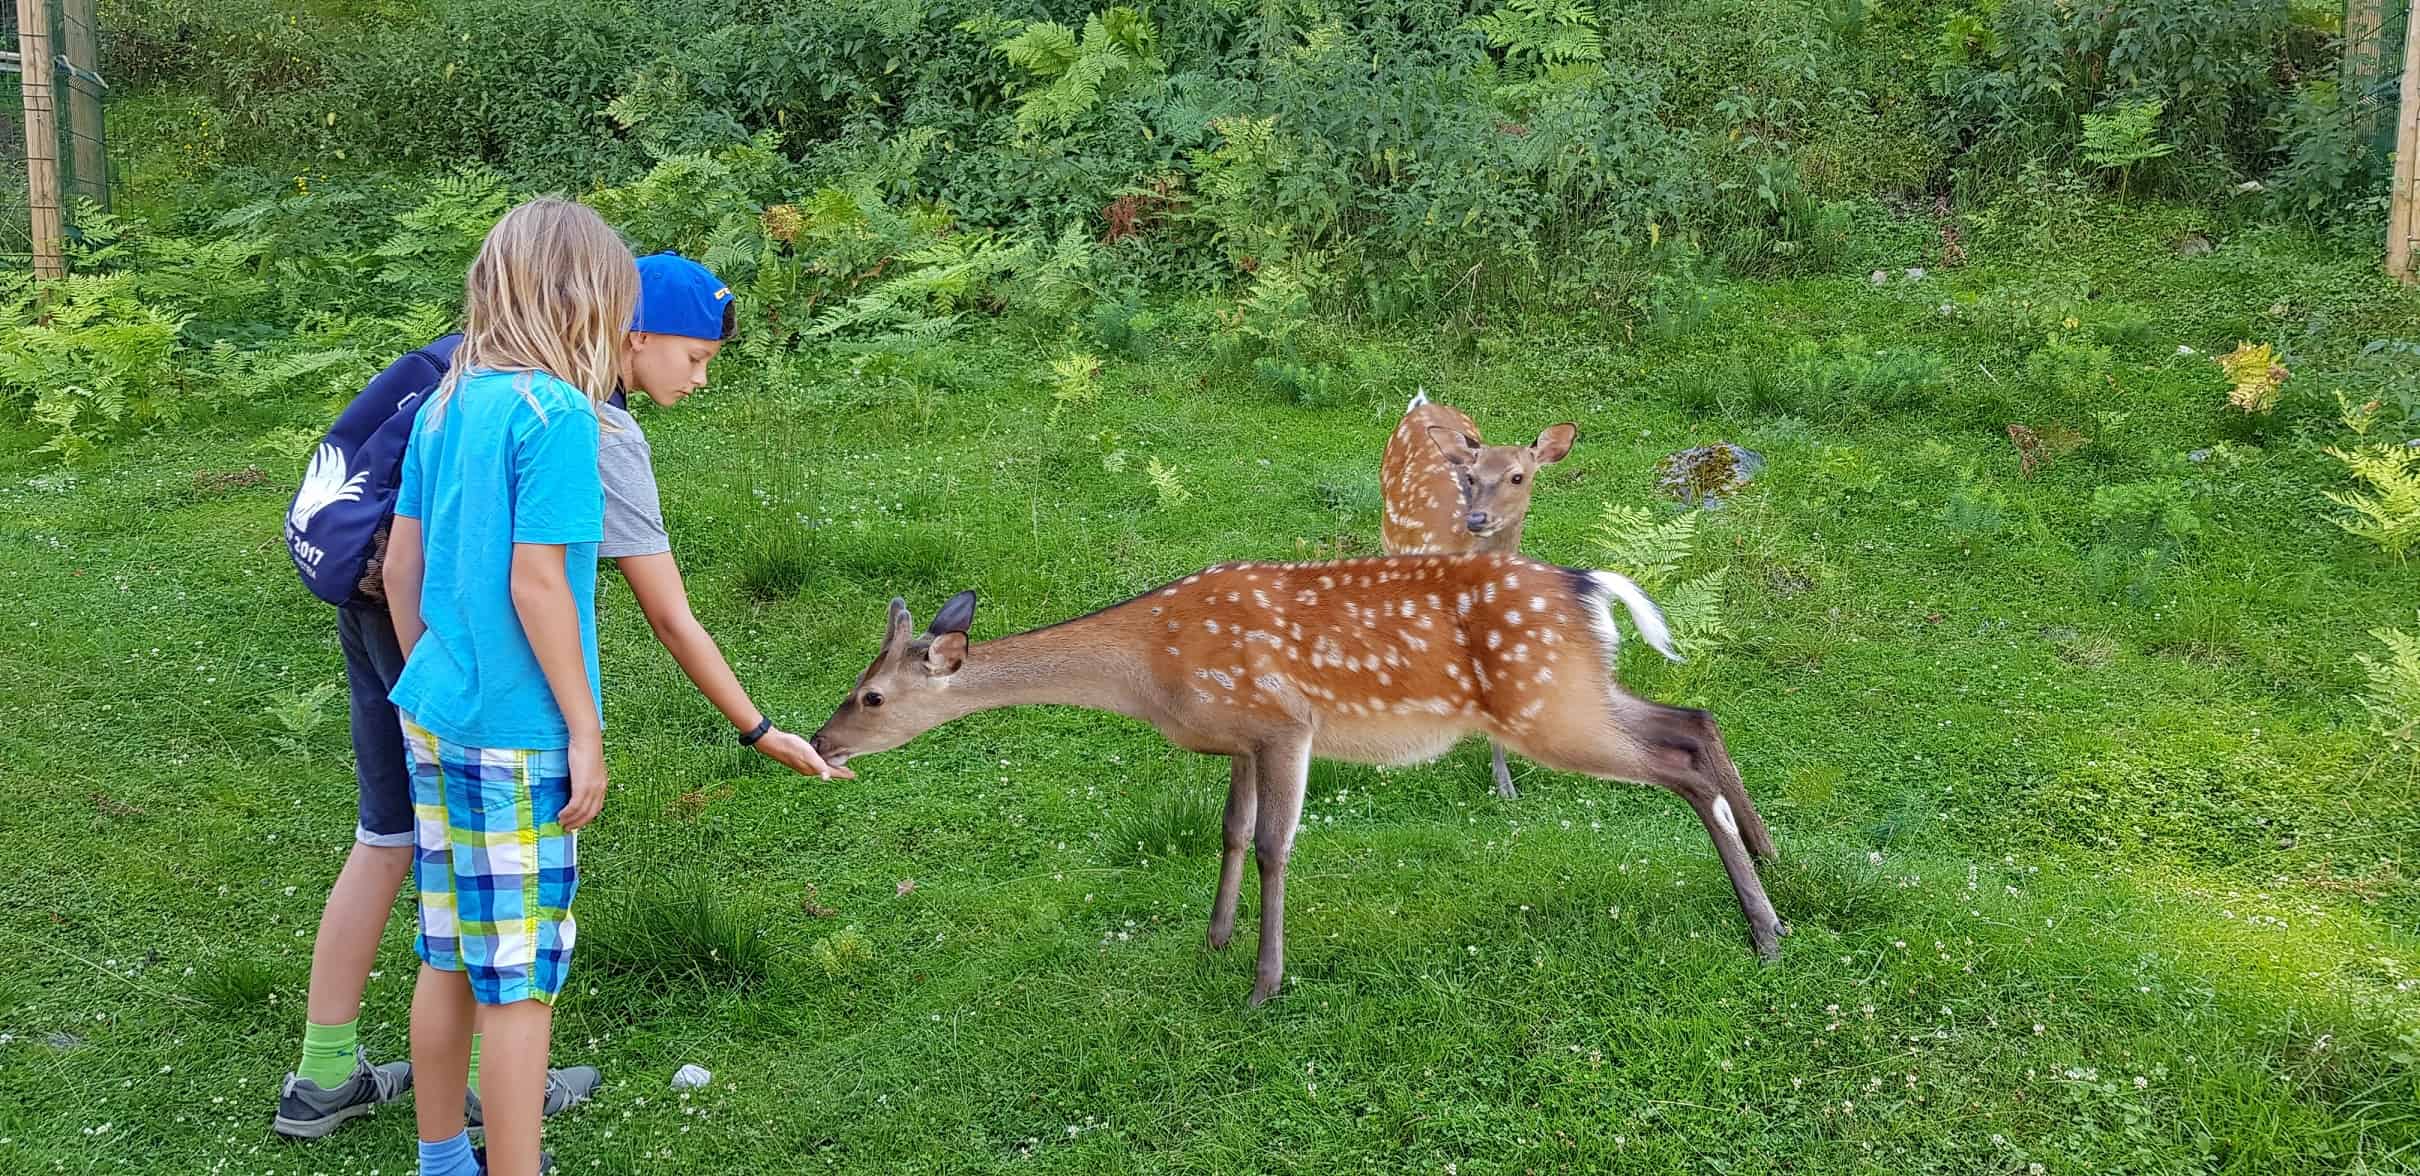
[[1075, 383], [1165, 481], [2123, 137], [1057, 279], [2393, 694], [1636, 545], [1543, 32], [1693, 610], [2255, 375], [2389, 514], [1632, 541], [1118, 48]]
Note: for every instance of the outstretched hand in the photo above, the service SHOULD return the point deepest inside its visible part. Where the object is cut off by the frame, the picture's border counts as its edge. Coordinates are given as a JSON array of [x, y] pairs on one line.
[[799, 756]]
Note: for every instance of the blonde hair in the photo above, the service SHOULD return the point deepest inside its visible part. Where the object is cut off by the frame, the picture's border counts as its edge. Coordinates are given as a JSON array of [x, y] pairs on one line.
[[552, 291]]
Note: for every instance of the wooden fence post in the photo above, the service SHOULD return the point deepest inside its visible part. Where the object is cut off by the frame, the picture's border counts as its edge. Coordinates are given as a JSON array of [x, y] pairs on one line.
[[41, 140], [2403, 222]]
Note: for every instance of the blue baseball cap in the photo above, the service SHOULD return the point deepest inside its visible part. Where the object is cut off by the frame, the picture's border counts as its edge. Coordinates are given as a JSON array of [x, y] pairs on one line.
[[678, 296]]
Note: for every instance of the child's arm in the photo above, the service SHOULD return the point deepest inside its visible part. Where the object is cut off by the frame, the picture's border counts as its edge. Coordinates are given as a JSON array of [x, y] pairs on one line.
[[656, 581], [551, 619], [401, 578]]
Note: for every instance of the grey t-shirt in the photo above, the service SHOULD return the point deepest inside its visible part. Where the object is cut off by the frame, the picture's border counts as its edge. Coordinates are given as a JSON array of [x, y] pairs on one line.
[[634, 519]]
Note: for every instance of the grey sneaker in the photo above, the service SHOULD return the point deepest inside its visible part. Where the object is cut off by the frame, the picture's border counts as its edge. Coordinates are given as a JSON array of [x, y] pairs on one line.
[[305, 1110], [565, 1088]]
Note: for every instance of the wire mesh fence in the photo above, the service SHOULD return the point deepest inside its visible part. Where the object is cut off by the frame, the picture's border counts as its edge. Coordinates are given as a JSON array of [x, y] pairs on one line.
[[76, 140]]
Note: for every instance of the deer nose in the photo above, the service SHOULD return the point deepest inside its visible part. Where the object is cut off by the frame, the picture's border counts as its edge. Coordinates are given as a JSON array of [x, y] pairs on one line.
[[1476, 520]]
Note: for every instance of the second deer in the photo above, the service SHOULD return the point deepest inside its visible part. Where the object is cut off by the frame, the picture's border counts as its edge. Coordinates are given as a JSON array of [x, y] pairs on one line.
[[1447, 493], [1381, 661]]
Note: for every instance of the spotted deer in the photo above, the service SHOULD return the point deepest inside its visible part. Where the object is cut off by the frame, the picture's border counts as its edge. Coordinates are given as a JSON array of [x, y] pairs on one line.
[[1446, 492], [1387, 660]]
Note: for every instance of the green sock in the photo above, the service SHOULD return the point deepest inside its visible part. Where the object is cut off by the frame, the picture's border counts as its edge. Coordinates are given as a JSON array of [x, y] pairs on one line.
[[327, 1056], [474, 1079]]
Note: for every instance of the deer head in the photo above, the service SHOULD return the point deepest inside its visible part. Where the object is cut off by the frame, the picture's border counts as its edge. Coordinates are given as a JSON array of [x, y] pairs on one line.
[[1497, 480], [904, 693]]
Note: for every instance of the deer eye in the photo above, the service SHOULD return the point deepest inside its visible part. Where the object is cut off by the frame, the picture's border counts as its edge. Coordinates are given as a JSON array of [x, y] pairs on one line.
[[873, 698], [1516, 479]]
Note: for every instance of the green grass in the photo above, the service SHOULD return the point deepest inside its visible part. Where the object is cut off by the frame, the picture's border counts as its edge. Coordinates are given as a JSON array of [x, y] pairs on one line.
[[2091, 860]]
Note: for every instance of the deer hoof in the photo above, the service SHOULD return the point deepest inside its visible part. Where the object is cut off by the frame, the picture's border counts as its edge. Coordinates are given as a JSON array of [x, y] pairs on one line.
[[1261, 994], [1219, 937]]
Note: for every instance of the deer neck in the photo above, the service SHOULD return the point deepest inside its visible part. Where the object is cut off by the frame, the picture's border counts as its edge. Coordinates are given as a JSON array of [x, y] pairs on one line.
[[1089, 663]]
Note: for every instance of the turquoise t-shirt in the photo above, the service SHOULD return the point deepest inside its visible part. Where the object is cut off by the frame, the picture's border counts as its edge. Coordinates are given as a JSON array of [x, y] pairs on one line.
[[511, 458]]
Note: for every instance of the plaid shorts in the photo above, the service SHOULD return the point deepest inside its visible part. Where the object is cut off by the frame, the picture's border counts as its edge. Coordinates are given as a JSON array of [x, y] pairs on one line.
[[493, 870]]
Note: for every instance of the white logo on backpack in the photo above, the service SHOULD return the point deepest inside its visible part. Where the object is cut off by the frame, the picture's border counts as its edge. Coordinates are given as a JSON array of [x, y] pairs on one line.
[[324, 485]]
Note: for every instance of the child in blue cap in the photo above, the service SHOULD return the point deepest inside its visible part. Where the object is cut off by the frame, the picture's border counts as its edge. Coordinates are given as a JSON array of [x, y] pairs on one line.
[[684, 315]]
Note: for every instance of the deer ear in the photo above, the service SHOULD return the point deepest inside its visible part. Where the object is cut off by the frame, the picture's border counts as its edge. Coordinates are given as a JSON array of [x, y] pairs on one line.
[[1554, 443], [901, 625], [956, 616], [1454, 445], [946, 653]]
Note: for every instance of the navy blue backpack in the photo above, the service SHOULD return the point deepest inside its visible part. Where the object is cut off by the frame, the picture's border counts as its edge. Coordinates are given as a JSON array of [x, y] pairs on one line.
[[336, 528]]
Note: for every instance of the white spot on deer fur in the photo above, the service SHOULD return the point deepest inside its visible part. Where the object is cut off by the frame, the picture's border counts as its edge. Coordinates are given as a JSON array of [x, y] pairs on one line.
[[1385, 679], [1462, 603], [1173, 653], [1235, 598], [1495, 639], [1545, 676], [1174, 626], [1454, 672], [1218, 676], [1511, 580], [1327, 582], [1418, 645], [1537, 604], [1167, 591], [1436, 603], [1489, 593], [1210, 625], [1512, 616], [1260, 598], [1531, 711], [1195, 578], [1723, 817]]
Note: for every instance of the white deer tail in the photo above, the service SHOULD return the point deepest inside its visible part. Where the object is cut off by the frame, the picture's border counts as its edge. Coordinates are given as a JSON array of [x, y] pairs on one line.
[[1419, 397], [1614, 586]]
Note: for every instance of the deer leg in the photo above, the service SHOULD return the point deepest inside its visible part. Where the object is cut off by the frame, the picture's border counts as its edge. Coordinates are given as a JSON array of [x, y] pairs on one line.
[[1726, 776], [1284, 775], [1679, 750], [1243, 801], [1765, 929], [1504, 784]]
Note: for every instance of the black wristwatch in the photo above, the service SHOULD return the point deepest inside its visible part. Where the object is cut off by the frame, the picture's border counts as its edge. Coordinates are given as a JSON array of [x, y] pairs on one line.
[[763, 725]]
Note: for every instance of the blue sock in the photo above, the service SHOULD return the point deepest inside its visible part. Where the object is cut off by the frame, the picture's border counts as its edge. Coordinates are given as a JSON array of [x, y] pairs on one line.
[[450, 1158]]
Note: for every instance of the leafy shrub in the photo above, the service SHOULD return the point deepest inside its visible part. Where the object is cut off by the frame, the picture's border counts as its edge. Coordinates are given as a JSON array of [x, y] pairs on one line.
[[2021, 78]]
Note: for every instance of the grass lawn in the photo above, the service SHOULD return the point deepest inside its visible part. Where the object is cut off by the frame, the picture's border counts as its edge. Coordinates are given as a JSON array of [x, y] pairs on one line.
[[2093, 861]]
